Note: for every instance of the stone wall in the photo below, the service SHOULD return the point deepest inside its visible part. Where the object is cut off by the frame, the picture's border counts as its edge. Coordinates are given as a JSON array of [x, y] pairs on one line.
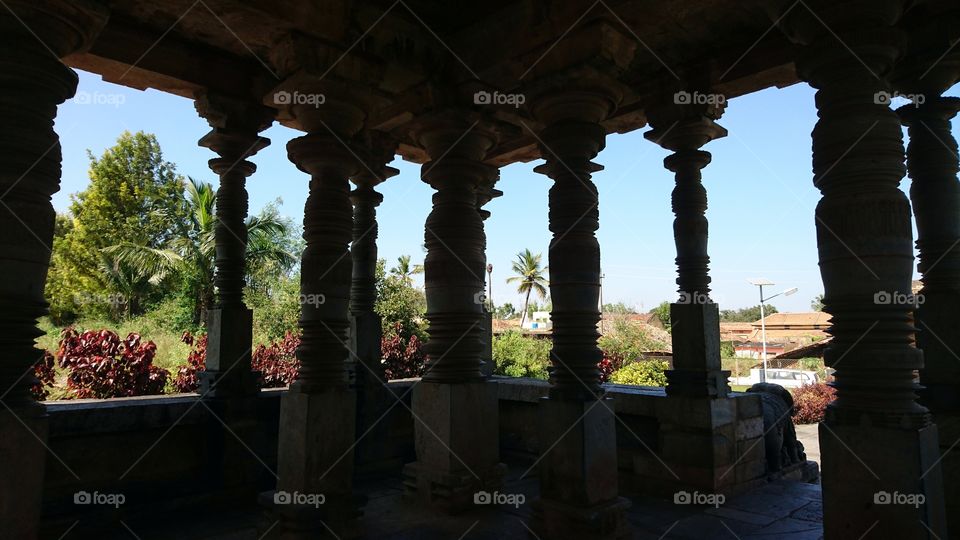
[[160, 454]]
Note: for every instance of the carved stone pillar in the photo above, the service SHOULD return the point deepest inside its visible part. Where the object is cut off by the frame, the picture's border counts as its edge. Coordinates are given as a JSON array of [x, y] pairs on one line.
[[932, 66], [318, 413], [373, 399], [454, 406], [683, 128], [486, 193], [875, 438], [33, 81], [578, 472], [234, 138]]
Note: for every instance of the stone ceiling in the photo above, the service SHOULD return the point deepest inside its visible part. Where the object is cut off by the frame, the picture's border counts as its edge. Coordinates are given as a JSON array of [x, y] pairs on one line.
[[418, 56]]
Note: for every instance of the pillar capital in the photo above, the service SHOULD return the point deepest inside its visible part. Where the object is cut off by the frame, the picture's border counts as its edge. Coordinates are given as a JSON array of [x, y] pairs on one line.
[[62, 26], [319, 104]]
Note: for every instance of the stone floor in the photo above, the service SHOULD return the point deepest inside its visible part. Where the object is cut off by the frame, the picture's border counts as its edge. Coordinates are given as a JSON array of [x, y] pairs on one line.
[[778, 510]]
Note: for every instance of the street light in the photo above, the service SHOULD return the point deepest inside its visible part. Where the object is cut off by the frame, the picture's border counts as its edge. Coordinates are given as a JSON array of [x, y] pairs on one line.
[[763, 323]]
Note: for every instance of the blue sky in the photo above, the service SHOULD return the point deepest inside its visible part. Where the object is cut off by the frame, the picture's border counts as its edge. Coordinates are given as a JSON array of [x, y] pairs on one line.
[[759, 188]]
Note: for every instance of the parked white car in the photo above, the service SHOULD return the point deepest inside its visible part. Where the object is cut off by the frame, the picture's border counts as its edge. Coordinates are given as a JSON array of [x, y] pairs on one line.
[[787, 378]]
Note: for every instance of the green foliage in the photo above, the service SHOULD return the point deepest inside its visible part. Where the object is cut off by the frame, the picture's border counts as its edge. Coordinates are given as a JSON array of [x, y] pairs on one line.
[[276, 307], [663, 313], [618, 308], [505, 311], [134, 196], [629, 341], [817, 303], [642, 373], [727, 349], [749, 314], [399, 302], [516, 355], [530, 277]]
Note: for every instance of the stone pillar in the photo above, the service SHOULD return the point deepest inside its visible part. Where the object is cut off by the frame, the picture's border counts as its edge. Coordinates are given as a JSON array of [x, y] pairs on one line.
[[932, 66], [683, 127], [578, 470], [876, 440], [485, 194], [373, 399], [227, 385], [234, 138], [455, 408], [33, 82], [318, 413]]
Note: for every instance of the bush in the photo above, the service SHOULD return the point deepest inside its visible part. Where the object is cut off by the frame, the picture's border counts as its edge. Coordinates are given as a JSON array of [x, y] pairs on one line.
[[516, 355], [609, 364], [629, 341], [642, 373], [810, 402], [102, 365], [277, 363], [187, 380], [402, 357], [45, 375]]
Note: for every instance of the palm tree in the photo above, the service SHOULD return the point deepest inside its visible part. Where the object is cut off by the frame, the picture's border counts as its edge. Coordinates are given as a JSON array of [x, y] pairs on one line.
[[531, 278], [192, 255], [404, 271]]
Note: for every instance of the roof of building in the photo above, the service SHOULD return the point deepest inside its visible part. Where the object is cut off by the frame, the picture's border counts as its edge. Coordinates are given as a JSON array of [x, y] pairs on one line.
[[814, 320]]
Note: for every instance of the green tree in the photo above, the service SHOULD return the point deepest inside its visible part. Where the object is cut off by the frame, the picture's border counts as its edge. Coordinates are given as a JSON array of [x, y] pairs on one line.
[[748, 314], [516, 355], [398, 301], [191, 256], [134, 196], [530, 278], [405, 270], [817, 303], [618, 308], [505, 311], [663, 313]]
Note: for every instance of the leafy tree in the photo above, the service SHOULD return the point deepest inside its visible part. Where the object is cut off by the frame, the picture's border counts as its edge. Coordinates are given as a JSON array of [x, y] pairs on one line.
[[134, 196], [405, 270], [516, 355], [749, 314], [629, 341], [192, 255], [663, 313], [618, 308], [530, 278], [399, 304], [817, 303], [505, 311]]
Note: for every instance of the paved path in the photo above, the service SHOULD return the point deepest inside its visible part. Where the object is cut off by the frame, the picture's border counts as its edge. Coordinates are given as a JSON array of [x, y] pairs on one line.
[[809, 435]]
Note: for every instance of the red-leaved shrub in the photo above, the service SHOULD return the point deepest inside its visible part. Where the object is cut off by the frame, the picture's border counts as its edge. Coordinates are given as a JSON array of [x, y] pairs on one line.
[[402, 356], [608, 364], [43, 371], [277, 362], [104, 366], [810, 402], [187, 380]]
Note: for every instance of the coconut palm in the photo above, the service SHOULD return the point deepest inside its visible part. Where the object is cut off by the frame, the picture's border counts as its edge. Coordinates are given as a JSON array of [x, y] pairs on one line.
[[192, 255], [530, 278], [404, 270]]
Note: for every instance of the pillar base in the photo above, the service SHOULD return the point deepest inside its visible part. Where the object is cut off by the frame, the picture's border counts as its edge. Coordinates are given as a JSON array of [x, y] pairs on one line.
[[696, 351], [457, 441], [229, 342], [855, 500], [23, 459], [315, 461], [578, 471]]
